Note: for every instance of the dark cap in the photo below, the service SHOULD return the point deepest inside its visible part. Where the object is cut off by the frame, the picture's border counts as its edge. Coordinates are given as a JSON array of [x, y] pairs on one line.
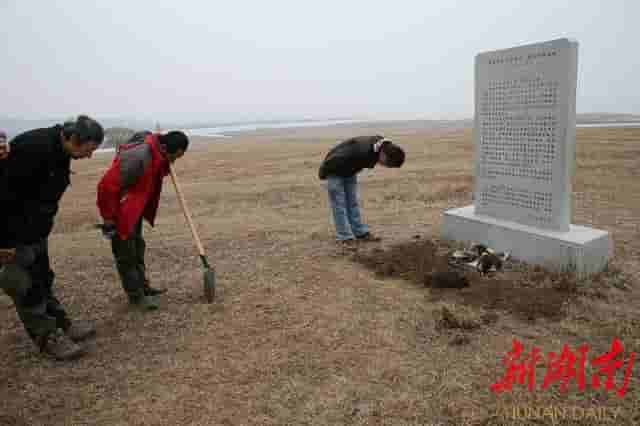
[[86, 128]]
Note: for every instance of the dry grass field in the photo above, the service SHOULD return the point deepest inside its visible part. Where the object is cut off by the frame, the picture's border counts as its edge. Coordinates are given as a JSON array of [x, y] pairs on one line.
[[303, 334]]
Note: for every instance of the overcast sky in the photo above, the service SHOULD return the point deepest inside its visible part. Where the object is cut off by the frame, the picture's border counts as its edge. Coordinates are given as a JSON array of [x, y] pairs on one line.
[[269, 59]]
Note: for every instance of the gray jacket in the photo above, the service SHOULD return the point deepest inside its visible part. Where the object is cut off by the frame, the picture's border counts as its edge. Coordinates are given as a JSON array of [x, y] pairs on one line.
[[134, 160]]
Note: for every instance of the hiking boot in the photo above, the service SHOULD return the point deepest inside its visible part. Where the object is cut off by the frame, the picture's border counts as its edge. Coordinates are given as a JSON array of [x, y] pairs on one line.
[[151, 291], [350, 244], [79, 331], [57, 345], [368, 238], [145, 303]]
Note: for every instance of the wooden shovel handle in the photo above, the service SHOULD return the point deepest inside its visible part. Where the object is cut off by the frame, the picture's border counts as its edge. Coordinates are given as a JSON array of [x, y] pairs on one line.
[[185, 210]]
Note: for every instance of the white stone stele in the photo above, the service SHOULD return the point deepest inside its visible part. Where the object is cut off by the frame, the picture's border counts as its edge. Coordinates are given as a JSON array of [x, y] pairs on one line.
[[524, 133], [524, 140]]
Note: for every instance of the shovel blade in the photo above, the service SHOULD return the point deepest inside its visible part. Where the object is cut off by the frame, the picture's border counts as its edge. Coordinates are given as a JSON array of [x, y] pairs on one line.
[[209, 285]]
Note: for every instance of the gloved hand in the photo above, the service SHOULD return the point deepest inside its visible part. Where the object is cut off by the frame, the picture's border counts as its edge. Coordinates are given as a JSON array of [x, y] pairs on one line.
[[108, 230]]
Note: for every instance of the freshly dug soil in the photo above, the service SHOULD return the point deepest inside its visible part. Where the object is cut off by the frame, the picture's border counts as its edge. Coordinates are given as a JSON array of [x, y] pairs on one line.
[[527, 294]]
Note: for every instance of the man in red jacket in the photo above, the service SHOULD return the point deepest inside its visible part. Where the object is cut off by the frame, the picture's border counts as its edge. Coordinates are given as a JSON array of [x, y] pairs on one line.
[[130, 191]]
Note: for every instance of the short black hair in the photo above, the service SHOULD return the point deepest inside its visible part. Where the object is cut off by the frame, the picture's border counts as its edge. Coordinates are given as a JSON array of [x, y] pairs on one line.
[[85, 128], [174, 141], [394, 154]]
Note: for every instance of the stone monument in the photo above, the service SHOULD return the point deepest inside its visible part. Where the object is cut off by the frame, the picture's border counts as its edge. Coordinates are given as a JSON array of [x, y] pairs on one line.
[[524, 146]]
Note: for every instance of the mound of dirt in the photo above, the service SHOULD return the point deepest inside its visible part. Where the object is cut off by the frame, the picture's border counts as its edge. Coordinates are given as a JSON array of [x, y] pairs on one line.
[[414, 261], [446, 279], [514, 296], [526, 293]]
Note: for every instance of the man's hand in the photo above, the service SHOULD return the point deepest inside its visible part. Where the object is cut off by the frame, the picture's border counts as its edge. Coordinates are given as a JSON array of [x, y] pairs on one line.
[[4, 147], [108, 229], [7, 256]]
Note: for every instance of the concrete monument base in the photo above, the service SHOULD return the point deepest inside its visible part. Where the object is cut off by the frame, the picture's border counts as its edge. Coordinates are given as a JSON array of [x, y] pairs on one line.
[[583, 250]]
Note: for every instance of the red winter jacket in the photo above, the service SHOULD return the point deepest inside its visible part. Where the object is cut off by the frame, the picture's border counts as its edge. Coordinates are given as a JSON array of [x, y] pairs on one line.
[[125, 203]]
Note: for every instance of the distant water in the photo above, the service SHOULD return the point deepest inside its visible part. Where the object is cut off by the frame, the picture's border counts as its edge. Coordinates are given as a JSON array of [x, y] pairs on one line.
[[627, 124], [221, 131], [104, 150]]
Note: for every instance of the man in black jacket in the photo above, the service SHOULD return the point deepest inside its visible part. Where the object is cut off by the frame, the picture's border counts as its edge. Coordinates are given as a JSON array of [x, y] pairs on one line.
[[340, 168], [32, 181]]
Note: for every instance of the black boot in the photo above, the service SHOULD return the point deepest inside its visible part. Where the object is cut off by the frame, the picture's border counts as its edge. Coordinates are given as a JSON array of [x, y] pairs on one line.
[[59, 346], [150, 291], [142, 301]]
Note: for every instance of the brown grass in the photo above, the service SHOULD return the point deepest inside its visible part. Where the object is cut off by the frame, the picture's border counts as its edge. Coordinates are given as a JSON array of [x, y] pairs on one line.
[[302, 334]]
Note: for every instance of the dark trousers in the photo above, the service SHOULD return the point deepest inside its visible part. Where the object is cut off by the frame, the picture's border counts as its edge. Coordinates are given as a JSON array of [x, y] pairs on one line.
[[39, 310], [129, 257]]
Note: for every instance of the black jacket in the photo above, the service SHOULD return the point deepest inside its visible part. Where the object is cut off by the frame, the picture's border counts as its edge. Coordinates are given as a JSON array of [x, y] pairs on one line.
[[350, 157], [32, 181]]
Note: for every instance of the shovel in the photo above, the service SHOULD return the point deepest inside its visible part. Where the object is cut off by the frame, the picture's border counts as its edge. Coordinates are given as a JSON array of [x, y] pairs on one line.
[[209, 274]]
